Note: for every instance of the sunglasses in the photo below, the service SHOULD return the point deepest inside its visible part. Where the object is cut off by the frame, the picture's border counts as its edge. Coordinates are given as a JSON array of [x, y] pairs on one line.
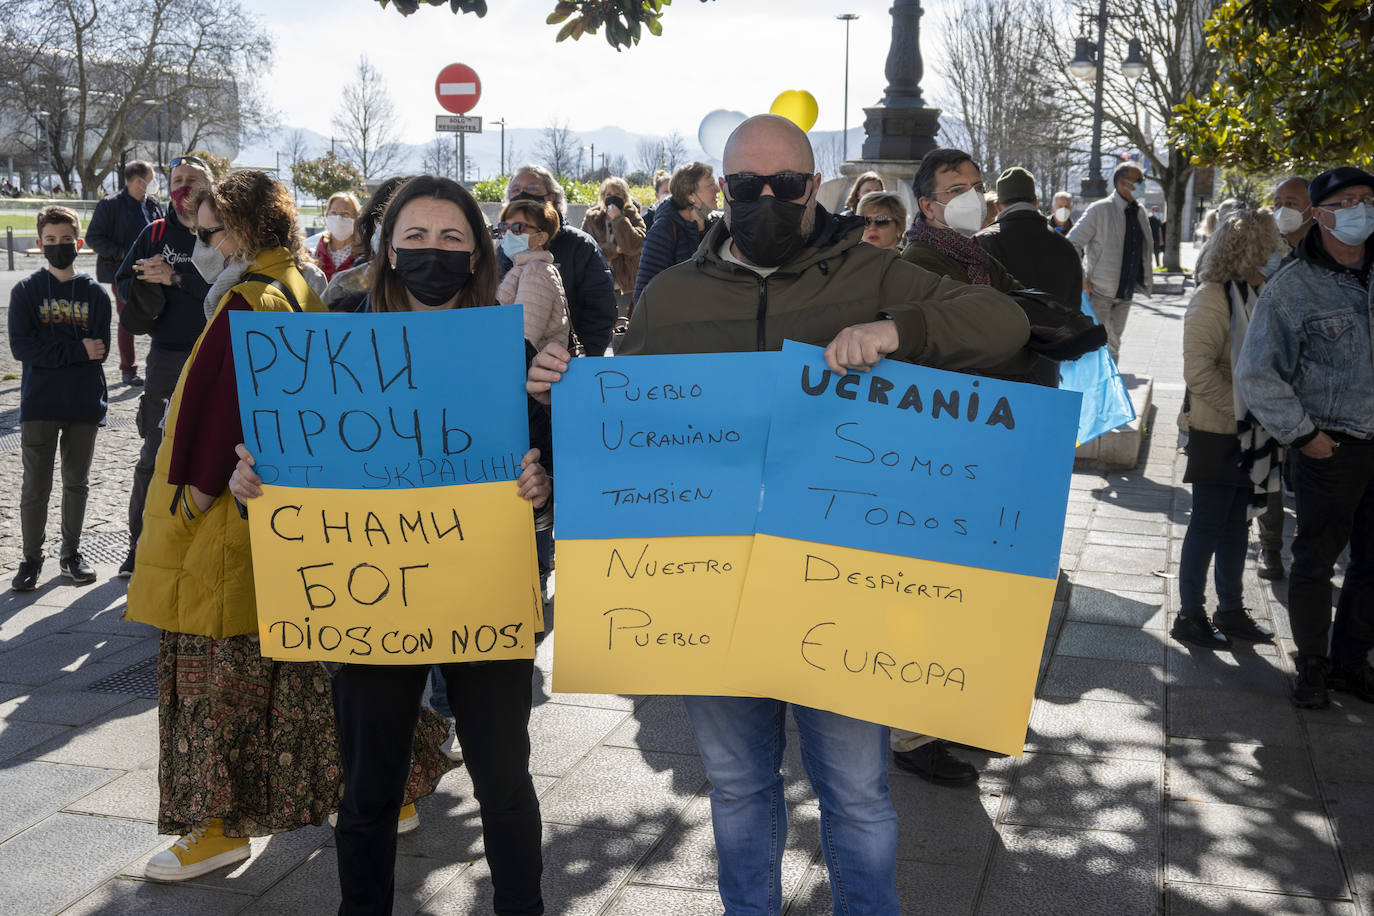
[[871, 221], [746, 187], [515, 226], [204, 233], [189, 160]]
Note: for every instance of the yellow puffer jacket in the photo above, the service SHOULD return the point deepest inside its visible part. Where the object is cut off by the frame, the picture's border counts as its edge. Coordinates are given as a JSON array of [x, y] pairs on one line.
[[194, 573]]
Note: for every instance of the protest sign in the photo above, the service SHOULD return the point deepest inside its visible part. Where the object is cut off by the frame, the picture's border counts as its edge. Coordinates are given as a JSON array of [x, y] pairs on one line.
[[390, 530], [382, 401], [907, 549], [659, 464], [395, 576]]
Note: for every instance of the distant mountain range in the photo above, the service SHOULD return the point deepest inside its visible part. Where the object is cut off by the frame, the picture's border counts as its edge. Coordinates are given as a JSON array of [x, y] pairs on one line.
[[484, 149]]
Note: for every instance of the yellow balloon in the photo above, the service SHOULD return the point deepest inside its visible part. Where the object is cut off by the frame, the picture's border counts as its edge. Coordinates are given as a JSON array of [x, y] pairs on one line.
[[797, 106]]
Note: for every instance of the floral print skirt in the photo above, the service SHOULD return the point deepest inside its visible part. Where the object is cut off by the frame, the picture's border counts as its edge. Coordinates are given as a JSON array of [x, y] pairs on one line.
[[252, 741]]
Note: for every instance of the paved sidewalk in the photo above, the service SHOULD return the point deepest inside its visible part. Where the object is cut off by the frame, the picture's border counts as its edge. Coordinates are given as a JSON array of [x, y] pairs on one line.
[[1156, 778]]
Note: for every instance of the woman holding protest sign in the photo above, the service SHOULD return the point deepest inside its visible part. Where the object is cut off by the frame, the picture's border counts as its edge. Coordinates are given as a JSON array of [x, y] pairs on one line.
[[435, 253], [247, 745]]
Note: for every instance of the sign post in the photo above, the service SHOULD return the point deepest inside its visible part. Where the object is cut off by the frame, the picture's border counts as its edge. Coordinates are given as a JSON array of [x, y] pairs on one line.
[[458, 88]]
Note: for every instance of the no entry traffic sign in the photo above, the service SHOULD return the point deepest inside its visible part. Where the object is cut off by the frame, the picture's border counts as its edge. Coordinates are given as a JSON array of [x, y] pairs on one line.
[[458, 88]]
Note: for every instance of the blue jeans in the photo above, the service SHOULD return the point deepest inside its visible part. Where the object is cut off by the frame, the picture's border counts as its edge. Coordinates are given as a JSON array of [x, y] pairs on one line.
[[1217, 528], [741, 740]]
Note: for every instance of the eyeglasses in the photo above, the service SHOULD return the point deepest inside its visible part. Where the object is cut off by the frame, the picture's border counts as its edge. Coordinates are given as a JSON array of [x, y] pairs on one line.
[[205, 233], [1349, 202], [189, 160], [961, 189], [746, 187], [871, 221], [515, 226], [538, 190]]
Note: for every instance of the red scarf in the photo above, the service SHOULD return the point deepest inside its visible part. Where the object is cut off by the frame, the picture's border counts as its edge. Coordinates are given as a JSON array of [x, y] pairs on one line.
[[953, 245]]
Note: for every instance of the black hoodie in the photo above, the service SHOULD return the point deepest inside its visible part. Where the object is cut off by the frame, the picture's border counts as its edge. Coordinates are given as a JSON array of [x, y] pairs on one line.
[[48, 319]]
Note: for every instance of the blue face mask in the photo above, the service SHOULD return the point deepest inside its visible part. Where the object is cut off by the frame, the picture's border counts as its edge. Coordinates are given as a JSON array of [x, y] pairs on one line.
[[513, 244], [1270, 266], [1354, 224]]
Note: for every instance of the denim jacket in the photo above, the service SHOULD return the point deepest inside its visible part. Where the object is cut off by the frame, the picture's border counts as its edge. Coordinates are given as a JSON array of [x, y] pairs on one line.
[[1308, 361]]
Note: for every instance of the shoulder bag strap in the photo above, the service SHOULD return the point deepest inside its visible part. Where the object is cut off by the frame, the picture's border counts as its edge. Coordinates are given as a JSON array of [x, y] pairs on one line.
[[270, 281]]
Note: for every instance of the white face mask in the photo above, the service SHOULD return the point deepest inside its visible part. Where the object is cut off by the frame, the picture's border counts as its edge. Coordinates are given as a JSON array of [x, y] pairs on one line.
[[207, 260], [1289, 220], [339, 226], [151, 189], [1063, 214], [964, 214]]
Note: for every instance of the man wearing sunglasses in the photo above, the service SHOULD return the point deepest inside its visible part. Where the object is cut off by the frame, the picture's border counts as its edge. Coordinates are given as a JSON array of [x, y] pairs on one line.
[[165, 299], [778, 267], [1114, 239], [1306, 373]]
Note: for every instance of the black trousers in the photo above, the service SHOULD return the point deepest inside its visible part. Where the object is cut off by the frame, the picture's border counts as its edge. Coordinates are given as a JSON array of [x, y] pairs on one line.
[[1335, 502], [376, 707], [161, 370]]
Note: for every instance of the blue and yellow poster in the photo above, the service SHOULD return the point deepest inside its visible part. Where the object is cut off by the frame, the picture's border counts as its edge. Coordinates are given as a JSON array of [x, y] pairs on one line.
[[659, 464], [390, 530], [907, 547]]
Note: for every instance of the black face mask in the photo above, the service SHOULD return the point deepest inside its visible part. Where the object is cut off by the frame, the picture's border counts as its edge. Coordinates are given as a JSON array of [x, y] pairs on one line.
[[60, 255], [526, 195], [433, 275], [767, 230]]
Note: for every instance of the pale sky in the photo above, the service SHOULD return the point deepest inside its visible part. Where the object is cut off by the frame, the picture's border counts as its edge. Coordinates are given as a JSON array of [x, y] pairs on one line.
[[734, 54]]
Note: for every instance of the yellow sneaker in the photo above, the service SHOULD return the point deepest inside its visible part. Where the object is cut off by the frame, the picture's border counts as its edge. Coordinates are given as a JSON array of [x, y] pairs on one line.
[[204, 849], [407, 821]]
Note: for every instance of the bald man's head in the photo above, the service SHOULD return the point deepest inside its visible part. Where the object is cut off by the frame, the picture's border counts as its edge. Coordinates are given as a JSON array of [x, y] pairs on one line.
[[1292, 192], [770, 162], [772, 140]]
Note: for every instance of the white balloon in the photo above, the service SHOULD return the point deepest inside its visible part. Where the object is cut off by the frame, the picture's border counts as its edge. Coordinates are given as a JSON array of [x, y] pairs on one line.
[[716, 128]]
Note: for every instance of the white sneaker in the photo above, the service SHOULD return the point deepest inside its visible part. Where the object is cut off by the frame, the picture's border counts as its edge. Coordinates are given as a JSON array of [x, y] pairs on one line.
[[450, 748], [204, 849]]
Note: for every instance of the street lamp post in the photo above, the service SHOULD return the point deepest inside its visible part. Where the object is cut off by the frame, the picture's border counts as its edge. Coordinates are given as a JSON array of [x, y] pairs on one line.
[[1087, 64], [502, 122], [846, 18], [42, 118]]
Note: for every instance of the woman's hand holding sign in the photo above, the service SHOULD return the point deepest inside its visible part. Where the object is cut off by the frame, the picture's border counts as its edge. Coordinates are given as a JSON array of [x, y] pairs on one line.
[[534, 482]]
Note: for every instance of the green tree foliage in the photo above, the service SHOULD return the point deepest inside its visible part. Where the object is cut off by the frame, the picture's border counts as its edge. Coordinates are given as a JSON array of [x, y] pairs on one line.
[[1294, 88], [624, 20], [325, 176]]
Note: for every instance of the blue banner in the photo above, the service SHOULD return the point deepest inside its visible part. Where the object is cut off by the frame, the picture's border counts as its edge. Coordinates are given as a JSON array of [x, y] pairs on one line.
[[661, 446], [919, 462], [382, 401]]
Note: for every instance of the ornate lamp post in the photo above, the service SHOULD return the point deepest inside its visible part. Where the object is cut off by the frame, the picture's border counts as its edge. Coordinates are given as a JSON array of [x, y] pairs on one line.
[[1087, 66]]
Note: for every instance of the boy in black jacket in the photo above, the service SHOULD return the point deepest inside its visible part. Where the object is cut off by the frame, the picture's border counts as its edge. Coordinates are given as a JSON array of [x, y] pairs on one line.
[[60, 332]]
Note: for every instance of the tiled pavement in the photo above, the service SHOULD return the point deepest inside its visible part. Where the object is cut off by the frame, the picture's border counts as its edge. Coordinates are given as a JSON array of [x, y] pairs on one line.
[[1155, 779]]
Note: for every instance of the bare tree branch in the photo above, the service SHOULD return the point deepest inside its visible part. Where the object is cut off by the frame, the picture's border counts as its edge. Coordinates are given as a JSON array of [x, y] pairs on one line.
[[367, 123]]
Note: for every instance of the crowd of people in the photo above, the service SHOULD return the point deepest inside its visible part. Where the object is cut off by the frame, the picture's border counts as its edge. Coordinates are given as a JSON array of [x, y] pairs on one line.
[[977, 279]]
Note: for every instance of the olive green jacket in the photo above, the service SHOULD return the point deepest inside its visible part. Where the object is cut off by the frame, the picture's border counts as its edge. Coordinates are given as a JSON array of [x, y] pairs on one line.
[[1024, 366], [710, 305]]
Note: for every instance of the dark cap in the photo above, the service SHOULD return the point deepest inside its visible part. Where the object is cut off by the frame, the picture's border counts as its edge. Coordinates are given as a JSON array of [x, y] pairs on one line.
[[1015, 184], [1333, 180]]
